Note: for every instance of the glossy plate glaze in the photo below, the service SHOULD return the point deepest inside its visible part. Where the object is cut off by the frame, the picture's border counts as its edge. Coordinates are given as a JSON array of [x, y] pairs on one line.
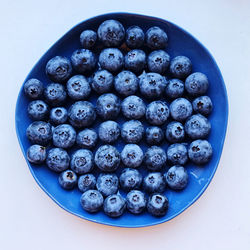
[[180, 43]]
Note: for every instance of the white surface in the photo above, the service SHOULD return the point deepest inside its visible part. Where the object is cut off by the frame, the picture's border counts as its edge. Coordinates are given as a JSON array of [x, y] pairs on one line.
[[29, 219]]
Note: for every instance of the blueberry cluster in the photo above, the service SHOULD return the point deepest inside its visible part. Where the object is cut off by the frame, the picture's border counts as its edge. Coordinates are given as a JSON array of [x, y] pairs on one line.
[[160, 99]]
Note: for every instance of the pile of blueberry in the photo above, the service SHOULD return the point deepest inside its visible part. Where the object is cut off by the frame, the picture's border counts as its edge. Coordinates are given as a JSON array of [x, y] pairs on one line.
[[160, 101]]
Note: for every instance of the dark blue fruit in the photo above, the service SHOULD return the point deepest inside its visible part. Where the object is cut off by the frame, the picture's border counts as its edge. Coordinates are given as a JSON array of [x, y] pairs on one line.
[[177, 177], [36, 154], [102, 81], [132, 131], [130, 179], [109, 131], [114, 205], [177, 154], [175, 88], [156, 38], [88, 39], [158, 61], [91, 201], [180, 109], [132, 156], [155, 158], [203, 105], [157, 112], [175, 132], [38, 110], [135, 60], [134, 37], [180, 67], [136, 201], [67, 179], [33, 88], [154, 182], [107, 184], [58, 115], [154, 135], [55, 94], [57, 160], [157, 205], [200, 152], [86, 182], [87, 138]]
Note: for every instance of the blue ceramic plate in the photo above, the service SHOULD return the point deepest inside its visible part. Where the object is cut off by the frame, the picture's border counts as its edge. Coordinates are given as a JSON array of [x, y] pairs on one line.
[[180, 43]]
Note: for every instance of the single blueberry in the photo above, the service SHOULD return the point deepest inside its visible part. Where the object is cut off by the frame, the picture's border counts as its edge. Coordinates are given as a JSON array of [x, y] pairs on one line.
[[156, 38], [155, 158], [58, 115], [86, 182], [38, 110], [36, 154], [136, 201], [91, 201], [175, 88], [33, 88], [82, 161], [102, 81], [109, 131], [87, 138], [196, 84], [81, 114], [57, 160], [154, 182], [111, 59], [197, 127], [39, 132], [157, 205], [180, 109], [200, 152], [108, 106], [132, 131], [157, 112], [180, 67], [158, 61], [177, 154], [111, 33], [177, 177], [55, 94], [107, 158], [83, 61], [132, 156], [88, 39], [154, 135], [175, 132], [203, 105], [67, 179], [78, 87], [130, 179], [135, 60], [114, 205], [134, 37], [59, 69], [133, 107], [107, 184]]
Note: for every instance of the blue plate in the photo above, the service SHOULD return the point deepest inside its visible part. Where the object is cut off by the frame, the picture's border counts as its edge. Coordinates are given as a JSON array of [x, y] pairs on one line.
[[180, 43]]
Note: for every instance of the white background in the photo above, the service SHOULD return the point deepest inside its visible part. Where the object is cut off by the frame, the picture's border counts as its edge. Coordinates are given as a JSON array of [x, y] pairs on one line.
[[219, 220]]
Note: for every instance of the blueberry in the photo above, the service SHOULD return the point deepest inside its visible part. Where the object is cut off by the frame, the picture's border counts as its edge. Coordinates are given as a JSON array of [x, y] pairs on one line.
[[156, 38], [157, 112], [196, 84], [82, 161], [59, 69], [133, 107], [132, 156], [36, 154], [180, 67], [177, 154], [108, 106], [67, 179], [158, 61], [83, 61], [39, 132], [114, 205], [155, 158], [57, 160], [88, 39], [130, 179], [134, 37], [107, 184], [78, 87], [175, 132], [132, 131], [175, 88], [111, 59], [107, 158], [177, 177], [111, 33], [91, 201], [154, 135], [81, 114], [109, 131], [197, 127], [152, 85], [157, 205], [126, 83], [64, 136], [86, 182], [180, 109], [136, 201], [102, 81], [203, 105], [87, 138], [55, 94], [135, 60], [154, 182], [38, 110], [200, 152], [33, 88], [58, 115]]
